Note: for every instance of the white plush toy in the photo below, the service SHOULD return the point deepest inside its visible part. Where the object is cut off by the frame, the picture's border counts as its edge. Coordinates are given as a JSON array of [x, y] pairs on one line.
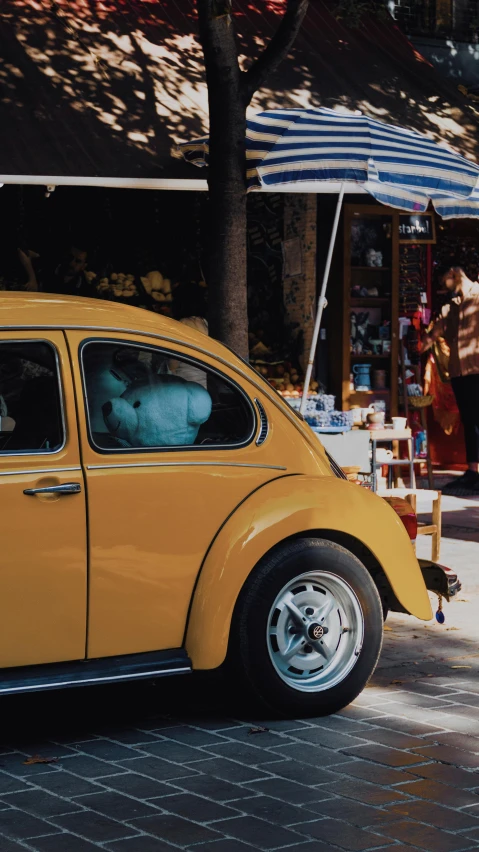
[[167, 411]]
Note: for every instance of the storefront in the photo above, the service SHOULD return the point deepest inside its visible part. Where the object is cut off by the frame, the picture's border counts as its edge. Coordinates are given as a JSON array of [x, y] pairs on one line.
[[93, 106]]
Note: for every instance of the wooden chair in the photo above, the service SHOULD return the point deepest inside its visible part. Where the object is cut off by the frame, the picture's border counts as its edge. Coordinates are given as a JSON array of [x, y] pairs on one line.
[[433, 529]]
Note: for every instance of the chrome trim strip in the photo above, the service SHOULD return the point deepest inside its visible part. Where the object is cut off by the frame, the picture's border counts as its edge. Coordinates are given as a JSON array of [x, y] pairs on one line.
[[101, 679], [43, 470], [185, 464], [5, 453]]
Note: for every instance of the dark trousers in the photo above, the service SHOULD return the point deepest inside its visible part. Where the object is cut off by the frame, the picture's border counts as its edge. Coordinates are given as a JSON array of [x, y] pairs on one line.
[[466, 391]]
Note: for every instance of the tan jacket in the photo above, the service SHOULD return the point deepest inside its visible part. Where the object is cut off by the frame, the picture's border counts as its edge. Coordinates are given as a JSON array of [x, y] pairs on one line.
[[459, 325]]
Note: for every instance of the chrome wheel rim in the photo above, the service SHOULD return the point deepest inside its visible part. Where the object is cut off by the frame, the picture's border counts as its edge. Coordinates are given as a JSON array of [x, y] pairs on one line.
[[315, 631]]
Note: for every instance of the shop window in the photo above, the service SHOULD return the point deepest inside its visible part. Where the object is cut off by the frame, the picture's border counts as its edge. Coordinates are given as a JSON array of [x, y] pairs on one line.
[[142, 398], [30, 403]]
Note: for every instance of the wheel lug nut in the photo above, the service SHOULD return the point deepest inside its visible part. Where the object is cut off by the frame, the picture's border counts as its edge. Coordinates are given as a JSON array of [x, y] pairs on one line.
[[309, 610]]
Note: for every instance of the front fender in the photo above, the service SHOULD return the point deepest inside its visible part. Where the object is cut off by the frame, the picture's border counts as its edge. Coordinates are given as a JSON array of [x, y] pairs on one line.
[[286, 507]]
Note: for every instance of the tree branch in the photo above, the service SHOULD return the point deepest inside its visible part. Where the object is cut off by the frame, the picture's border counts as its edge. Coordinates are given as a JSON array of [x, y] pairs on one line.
[[276, 50]]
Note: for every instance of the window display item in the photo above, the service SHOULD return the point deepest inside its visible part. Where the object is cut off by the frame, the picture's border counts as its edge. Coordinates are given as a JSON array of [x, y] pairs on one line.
[[362, 377], [379, 379]]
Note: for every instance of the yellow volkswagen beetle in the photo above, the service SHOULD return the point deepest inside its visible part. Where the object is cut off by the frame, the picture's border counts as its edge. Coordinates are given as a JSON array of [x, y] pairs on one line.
[[164, 510]]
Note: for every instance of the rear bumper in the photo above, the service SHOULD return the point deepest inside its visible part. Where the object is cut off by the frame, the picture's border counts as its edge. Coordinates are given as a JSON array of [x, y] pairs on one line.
[[440, 579]]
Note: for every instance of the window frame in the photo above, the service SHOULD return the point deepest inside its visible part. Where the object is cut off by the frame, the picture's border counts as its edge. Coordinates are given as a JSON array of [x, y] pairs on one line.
[[169, 353], [61, 399]]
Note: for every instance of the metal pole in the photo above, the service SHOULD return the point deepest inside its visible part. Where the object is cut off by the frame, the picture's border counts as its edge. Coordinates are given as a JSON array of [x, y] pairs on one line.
[[322, 300]]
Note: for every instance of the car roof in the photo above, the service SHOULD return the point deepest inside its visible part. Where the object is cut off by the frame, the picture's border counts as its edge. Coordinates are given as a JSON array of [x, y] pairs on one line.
[[20, 310]]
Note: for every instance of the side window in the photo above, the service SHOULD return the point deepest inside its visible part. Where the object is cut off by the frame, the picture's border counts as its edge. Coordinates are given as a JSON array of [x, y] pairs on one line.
[[138, 398], [30, 404]]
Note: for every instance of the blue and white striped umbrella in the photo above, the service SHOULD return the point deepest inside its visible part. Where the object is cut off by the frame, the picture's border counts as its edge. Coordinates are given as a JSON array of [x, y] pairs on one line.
[[399, 167]]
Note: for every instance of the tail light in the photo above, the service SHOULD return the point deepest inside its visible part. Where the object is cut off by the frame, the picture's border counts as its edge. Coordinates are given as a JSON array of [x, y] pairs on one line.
[[404, 511]]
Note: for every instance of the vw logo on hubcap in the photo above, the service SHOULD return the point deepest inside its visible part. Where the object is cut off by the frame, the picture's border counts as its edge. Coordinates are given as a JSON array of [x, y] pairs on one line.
[[315, 631]]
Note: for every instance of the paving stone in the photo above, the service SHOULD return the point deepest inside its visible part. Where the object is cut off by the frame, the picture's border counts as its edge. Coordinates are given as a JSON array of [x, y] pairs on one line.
[[176, 830], [241, 752], [449, 754], [11, 785], [385, 755], [262, 739], [106, 750], [370, 794], [329, 738], [40, 803], [175, 752], [229, 770], [289, 791], [116, 806], [446, 774], [358, 713], [155, 767], [65, 784], [441, 793], [262, 834], [280, 724], [195, 737], [229, 845], [385, 775], [89, 767], [340, 724], [60, 843], [310, 754], [345, 836], [424, 836], [456, 740], [437, 815], [210, 787], [352, 812], [138, 786], [294, 770], [406, 726], [130, 736], [274, 810], [195, 807], [93, 826], [393, 739], [142, 843], [43, 749], [12, 846], [15, 765], [19, 826]]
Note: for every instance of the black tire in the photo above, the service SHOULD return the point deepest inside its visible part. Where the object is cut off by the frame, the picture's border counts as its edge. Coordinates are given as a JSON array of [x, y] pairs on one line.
[[249, 659]]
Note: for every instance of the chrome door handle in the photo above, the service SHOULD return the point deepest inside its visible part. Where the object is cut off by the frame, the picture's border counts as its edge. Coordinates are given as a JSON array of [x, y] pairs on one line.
[[66, 488]]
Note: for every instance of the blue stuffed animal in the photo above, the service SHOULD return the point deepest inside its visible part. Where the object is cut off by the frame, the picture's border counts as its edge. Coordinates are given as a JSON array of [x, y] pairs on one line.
[[165, 412]]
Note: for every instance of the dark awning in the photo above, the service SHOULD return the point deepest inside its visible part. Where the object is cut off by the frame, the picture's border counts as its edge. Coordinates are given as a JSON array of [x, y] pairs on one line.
[[107, 89]]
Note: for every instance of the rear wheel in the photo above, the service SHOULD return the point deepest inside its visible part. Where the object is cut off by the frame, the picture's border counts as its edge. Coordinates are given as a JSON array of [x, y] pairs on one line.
[[307, 628]]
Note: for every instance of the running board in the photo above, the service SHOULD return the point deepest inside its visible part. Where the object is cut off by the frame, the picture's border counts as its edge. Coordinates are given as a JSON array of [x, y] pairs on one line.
[[90, 672]]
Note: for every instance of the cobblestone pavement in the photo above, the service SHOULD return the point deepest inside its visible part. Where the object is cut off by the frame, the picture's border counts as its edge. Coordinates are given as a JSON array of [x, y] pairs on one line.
[[154, 768]]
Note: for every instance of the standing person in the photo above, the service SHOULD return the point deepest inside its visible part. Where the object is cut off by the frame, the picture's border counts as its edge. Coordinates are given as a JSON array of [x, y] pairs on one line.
[[458, 324], [189, 307]]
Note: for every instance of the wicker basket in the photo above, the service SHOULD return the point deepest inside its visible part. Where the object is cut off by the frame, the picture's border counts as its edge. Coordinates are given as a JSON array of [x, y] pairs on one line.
[[420, 401]]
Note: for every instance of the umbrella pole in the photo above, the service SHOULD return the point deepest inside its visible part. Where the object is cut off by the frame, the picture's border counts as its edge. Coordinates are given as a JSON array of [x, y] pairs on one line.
[[322, 299]]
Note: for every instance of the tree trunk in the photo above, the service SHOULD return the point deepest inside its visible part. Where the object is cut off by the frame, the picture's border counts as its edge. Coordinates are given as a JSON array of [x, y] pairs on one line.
[[227, 261], [229, 92]]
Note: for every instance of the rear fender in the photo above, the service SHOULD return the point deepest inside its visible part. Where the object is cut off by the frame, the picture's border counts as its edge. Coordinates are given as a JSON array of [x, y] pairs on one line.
[[288, 507]]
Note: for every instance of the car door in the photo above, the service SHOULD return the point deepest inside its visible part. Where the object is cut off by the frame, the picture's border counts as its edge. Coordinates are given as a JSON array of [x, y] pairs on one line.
[[154, 510], [42, 517]]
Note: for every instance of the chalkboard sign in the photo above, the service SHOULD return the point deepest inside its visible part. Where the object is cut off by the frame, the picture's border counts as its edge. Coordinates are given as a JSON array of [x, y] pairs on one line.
[[417, 228]]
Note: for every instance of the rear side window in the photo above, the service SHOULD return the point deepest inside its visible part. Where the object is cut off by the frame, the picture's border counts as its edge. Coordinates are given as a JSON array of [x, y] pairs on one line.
[[143, 398], [30, 402]]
